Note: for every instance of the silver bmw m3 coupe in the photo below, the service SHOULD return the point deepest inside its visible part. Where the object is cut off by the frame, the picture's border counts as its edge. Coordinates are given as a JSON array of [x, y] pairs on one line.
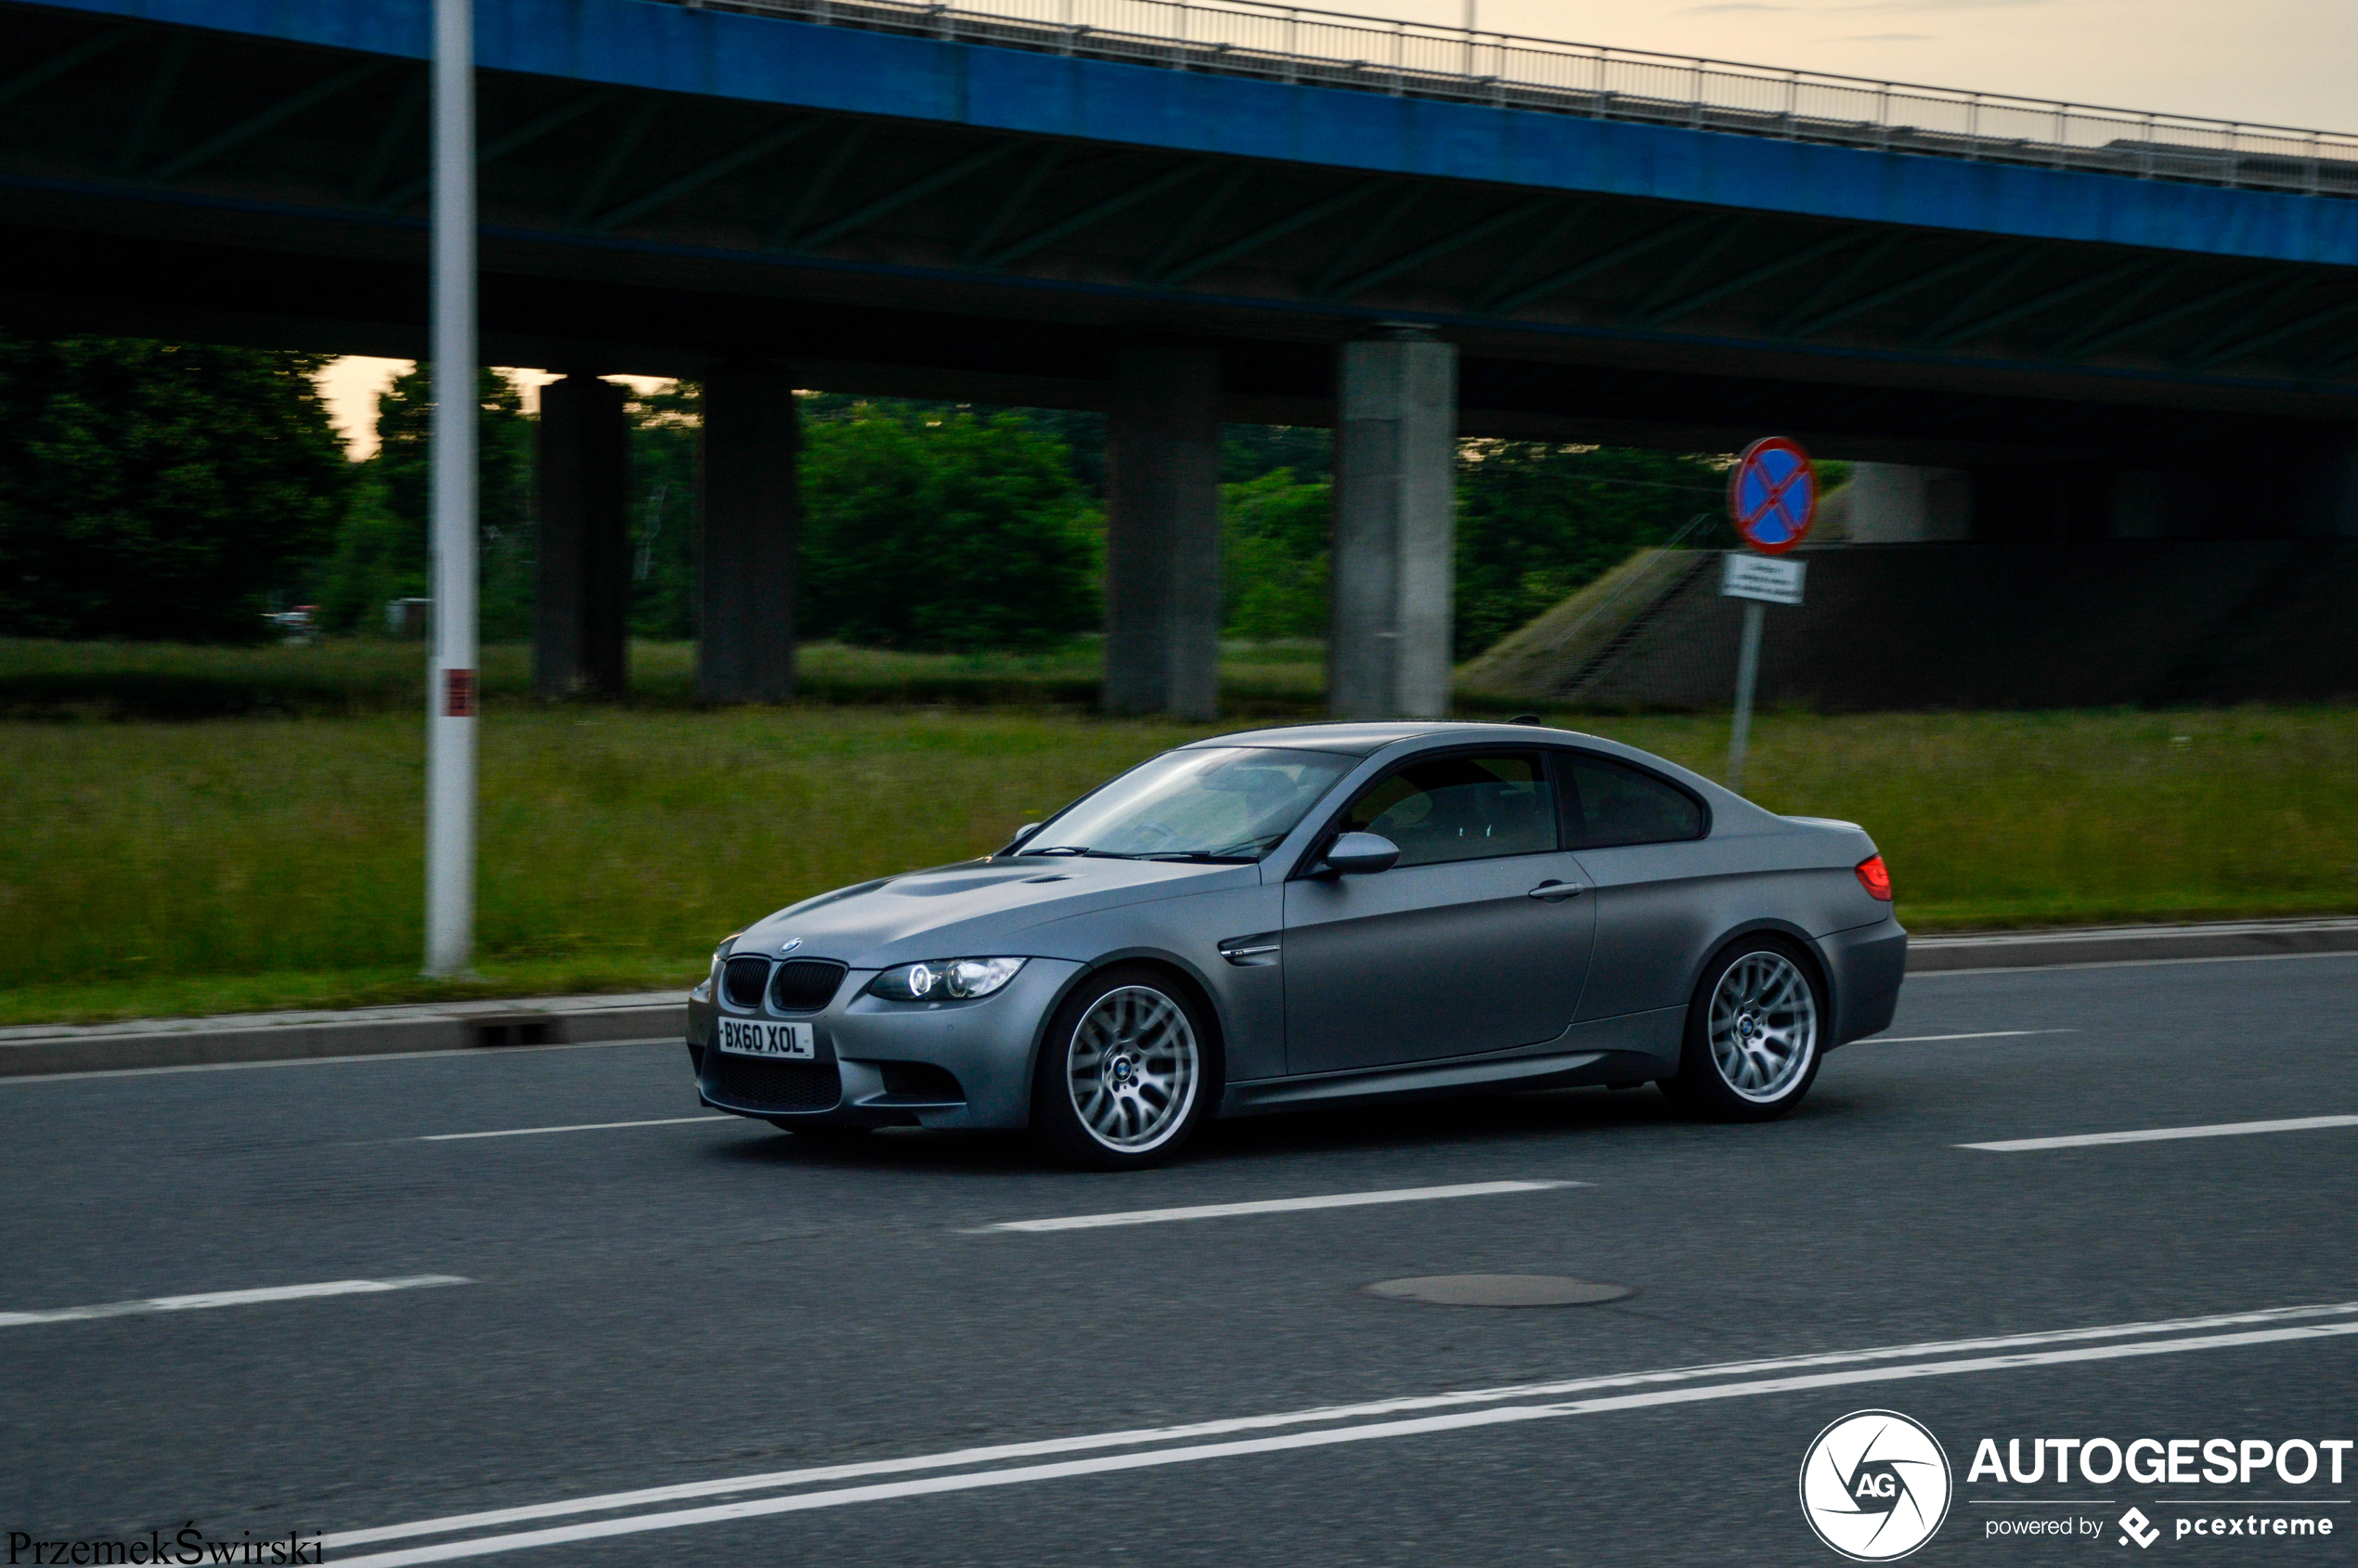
[[1317, 916]]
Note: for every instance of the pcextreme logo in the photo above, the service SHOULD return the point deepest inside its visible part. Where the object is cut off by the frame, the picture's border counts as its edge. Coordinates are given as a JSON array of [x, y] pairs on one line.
[[1875, 1485]]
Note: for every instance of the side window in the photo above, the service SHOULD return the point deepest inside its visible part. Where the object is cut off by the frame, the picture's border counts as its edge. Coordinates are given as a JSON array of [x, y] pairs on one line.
[[1460, 808], [1607, 803]]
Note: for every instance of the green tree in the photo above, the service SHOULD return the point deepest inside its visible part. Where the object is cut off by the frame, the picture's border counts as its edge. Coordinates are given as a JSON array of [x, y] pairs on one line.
[[1274, 533], [382, 550], [1248, 451], [941, 530], [158, 490], [663, 510]]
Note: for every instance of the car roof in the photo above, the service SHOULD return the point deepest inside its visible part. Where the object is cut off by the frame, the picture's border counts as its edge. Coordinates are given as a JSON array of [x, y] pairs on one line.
[[1362, 739]]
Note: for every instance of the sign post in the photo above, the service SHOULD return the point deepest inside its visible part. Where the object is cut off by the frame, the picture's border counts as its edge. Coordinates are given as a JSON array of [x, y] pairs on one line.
[[1773, 499], [452, 699]]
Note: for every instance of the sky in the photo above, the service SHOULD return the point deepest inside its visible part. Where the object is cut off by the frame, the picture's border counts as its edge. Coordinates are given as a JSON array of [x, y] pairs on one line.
[[2284, 62], [2288, 62], [351, 386]]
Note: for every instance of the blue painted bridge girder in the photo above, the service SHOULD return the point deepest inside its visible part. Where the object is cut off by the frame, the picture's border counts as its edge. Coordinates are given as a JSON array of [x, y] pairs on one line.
[[944, 219], [664, 47]]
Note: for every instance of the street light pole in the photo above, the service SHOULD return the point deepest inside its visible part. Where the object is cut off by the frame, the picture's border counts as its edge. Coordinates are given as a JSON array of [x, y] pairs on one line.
[[452, 698]]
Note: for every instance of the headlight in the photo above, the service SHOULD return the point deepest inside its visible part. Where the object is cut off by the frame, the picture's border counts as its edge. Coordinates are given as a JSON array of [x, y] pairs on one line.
[[944, 979], [720, 956]]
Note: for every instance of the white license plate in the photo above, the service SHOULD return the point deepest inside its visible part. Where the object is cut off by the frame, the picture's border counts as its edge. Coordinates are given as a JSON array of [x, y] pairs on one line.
[[794, 1041]]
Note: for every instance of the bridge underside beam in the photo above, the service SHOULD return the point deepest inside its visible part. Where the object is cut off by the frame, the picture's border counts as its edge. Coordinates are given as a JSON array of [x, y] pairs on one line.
[[551, 310], [658, 229]]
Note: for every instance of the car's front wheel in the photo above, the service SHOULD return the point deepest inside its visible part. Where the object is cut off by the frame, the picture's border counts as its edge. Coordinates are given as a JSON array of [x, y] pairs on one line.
[[1753, 1034], [1126, 1072]]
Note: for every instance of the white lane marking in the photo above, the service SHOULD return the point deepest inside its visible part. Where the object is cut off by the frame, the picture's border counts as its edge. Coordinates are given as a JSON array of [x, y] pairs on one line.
[[800, 1502], [2160, 1134], [229, 1298], [964, 1457], [577, 1127], [322, 1061], [1272, 1206], [1985, 1034]]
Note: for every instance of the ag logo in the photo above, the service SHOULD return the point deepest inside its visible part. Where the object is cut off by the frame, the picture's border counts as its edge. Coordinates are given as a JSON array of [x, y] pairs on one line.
[[1875, 1485]]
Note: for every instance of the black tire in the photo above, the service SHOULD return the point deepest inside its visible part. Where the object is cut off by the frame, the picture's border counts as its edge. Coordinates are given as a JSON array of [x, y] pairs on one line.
[[1146, 1084], [1763, 1085]]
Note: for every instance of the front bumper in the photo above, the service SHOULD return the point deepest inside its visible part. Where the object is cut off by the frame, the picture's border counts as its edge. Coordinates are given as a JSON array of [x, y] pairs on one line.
[[879, 1064]]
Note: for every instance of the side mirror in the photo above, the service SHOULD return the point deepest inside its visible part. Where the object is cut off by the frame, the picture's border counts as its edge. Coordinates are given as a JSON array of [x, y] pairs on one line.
[[1024, 832], [1359, 854]]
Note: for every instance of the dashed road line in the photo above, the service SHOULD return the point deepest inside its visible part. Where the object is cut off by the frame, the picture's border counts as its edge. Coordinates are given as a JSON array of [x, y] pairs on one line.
[[2163, 1134], [577, 1127], [1983, 1034], [229, 1297], [1272, 1206]]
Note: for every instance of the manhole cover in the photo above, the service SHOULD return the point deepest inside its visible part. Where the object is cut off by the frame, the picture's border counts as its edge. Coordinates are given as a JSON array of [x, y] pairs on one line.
[[1497, 1290]]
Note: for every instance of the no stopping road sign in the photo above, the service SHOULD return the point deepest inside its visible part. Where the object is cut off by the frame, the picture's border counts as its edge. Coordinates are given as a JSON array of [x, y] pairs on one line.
[[1772, 495]]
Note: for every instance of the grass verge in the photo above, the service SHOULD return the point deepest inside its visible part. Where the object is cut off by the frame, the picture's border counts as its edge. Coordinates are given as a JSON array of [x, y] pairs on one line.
[[150, 869], [343, 677]]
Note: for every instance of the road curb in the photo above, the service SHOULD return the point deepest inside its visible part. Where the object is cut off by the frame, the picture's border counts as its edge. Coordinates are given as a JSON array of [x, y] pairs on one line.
[[2118, 944], [45, 1049]]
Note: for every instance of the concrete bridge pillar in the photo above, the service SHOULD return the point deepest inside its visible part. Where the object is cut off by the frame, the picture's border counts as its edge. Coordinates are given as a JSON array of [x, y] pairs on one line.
[[749, 513], [1395, 529], [580, 615], [1162, 533], [1890, 503]]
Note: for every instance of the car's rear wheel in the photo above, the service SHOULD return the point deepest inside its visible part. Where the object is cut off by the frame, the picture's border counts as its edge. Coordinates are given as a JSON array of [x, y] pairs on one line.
[[1126, 1072], [1752, 1034]]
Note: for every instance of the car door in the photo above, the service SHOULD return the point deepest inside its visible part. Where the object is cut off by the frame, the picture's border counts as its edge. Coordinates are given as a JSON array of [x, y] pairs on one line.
[[1640, 842], [1476, 940]]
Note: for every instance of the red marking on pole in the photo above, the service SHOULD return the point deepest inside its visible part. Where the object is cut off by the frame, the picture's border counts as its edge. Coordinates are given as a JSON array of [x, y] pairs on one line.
[[459, 694]]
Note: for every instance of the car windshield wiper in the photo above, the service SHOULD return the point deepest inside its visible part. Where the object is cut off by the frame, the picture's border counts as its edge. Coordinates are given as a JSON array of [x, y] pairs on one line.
[[1205, 855], [1079, 849]]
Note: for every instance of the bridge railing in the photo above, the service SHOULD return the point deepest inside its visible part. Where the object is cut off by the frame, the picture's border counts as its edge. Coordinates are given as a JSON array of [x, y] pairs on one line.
[[1416, 60]]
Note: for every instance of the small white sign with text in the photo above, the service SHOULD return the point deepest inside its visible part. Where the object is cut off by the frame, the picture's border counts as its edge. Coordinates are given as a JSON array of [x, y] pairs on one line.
[[1775, 579]]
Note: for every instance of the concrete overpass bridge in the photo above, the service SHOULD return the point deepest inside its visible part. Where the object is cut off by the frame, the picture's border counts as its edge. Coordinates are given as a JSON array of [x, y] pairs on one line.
[[2104, 321]]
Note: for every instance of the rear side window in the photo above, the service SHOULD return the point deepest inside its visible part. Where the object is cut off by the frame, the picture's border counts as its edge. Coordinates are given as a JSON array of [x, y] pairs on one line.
[[1608, 803], [1467, 807]]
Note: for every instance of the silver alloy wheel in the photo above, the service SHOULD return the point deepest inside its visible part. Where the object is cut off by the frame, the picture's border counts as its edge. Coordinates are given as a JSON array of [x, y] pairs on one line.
[[1763, 1026], [1132, 1068]]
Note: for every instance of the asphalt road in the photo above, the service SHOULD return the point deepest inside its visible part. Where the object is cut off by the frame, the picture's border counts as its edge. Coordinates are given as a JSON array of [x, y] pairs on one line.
[[661, 1306]]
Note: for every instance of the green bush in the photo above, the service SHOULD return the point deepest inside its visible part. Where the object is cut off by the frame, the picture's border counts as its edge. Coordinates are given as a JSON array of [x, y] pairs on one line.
[[158, 490], [943, 531], [1274, 545]]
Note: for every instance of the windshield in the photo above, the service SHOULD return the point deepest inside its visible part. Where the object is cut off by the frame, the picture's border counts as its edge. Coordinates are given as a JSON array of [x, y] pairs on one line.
[[1214, 803]]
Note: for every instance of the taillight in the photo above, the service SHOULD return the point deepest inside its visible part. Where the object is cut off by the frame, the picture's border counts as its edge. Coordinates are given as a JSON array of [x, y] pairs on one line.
[[1875, 878]]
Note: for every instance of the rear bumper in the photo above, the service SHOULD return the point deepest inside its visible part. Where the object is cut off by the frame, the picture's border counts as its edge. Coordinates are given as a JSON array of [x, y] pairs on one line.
[[1865, 966], [880, 1064]]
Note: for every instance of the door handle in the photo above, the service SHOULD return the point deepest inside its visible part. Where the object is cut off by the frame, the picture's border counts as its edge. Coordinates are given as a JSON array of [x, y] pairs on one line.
[[1552, 891]]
